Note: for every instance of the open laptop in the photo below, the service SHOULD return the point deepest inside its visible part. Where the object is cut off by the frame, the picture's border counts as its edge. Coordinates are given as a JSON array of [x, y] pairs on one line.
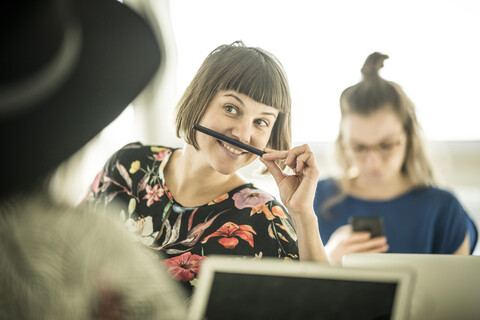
[[235, 288], [446, 286]]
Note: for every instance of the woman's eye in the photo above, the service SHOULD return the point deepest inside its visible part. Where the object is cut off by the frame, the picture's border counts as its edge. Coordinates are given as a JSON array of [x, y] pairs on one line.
[[231, 109], [387, 146], [358, 148], [261, 123]]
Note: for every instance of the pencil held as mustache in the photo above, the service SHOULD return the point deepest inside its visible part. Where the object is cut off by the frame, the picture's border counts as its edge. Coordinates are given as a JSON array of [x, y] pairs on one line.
[[229, 140]]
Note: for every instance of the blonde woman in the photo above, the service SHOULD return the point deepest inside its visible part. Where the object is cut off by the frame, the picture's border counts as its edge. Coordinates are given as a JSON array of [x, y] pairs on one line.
[[387, 174]]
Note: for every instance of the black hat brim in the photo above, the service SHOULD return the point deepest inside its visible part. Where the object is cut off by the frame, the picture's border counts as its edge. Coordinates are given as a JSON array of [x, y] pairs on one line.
[[119, 56]]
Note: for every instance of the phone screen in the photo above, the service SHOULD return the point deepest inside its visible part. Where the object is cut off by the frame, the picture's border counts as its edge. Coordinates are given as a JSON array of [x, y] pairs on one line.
[[373, 224]]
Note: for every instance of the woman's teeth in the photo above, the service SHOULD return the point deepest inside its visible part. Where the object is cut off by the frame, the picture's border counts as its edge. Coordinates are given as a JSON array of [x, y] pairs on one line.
[[232, 150]]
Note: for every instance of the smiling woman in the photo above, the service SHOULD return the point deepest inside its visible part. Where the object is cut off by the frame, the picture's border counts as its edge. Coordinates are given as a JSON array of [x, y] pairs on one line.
[[191, 202]]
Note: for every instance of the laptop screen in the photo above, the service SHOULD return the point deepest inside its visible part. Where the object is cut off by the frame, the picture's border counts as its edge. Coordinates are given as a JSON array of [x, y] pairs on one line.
[[272, 289], [250, 296]]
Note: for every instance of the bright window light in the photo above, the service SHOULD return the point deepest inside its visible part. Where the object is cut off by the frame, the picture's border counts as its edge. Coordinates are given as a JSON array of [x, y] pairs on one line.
[[433, 48]]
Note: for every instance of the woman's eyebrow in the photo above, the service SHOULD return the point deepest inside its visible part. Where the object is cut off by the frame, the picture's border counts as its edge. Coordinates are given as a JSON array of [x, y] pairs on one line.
[[382, 140], [243, 104], [235, 97], [270, 114]]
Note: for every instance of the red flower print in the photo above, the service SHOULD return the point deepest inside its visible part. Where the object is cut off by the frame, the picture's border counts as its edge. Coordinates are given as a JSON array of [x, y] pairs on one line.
[[169, 194], [264, 209], [184, 267], [153, 194], [270, 215], [160, 156], [219, 199], [96, 182], [249, 198], [278, 211], [229, 231]]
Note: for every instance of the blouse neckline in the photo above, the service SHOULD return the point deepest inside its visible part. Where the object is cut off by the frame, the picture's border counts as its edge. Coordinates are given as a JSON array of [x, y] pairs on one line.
[[170, 195], [392, 199]]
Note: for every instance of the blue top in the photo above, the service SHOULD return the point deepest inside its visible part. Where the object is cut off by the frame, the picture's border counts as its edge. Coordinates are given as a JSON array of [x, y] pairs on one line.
[[426, 220]]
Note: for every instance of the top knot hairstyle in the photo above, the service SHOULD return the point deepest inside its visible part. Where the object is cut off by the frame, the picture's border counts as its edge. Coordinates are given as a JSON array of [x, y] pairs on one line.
[[372, 65], [248, 70], [374, 93]]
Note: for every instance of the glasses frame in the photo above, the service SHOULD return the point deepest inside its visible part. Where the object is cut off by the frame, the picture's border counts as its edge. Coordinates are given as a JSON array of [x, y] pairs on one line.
[[383, 149]]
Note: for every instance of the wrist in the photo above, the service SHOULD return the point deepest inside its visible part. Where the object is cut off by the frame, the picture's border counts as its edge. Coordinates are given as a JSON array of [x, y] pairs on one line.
[[303, 220]]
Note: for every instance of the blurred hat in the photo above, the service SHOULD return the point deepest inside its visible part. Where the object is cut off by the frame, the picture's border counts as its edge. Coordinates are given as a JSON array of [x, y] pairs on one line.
[[67, 69]]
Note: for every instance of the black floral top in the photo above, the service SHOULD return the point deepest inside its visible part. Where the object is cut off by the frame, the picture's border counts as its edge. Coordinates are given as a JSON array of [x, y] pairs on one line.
[[246, 221]]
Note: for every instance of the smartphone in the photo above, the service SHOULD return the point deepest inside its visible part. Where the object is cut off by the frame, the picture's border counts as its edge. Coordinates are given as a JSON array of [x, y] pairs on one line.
[[373, 224]]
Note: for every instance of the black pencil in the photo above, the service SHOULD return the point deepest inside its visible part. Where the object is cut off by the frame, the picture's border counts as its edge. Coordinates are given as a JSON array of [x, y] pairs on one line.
[[234, 142]]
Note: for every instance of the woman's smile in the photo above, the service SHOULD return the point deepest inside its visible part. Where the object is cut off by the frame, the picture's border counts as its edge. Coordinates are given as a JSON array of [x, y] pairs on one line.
[[231, 149], [240, 118]]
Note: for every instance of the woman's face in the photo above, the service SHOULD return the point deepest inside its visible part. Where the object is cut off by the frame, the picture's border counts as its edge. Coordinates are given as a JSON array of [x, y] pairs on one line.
[[375, 144], [239, 117]]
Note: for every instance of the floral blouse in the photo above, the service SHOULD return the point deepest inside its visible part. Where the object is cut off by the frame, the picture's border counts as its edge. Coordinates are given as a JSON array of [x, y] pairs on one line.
[[245, 221]]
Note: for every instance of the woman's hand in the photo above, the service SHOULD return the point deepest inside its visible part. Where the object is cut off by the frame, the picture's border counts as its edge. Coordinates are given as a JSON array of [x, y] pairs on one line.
[[297, 192], [344, 241]]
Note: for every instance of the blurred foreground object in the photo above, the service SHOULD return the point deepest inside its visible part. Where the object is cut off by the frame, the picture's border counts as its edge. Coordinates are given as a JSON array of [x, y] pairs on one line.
[[64, 263], [67, 70]]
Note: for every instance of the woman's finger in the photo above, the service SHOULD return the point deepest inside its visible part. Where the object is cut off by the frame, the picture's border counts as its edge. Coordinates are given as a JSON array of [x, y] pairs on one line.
[[304, 162], [297, 158], [272, 154], [274, 169], [292, 157], [381, 249], [372, 244], [356, 237]]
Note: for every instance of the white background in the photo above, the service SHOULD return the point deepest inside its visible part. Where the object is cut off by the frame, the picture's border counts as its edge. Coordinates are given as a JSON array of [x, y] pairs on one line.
[[433, 47]]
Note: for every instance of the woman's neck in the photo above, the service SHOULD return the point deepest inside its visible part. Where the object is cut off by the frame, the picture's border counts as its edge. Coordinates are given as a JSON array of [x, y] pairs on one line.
[[193, 184], [379, 190]]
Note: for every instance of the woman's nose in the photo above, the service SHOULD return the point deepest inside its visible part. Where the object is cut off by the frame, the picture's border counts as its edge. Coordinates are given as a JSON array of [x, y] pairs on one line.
[[242, 130], [372, 157]]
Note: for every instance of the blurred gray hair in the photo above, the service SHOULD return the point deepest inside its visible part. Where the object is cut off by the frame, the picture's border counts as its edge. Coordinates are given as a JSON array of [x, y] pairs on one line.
[[65, 263]]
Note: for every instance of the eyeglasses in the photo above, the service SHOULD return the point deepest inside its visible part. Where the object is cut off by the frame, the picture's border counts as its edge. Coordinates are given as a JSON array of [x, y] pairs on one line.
[[384, 149]]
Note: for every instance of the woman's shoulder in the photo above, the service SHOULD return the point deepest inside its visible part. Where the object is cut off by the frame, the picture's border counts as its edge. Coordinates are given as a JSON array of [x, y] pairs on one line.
[[249, 192], [444, 200], [137, 151], [327, 183], [139, 147], [327, 187], [250, 196], [435, 194]]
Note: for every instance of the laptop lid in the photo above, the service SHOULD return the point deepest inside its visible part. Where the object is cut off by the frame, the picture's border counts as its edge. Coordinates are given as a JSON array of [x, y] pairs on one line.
[[446, 286], [234, 288]]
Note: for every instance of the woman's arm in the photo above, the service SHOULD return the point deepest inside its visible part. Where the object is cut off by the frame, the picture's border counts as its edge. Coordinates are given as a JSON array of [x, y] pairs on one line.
[[464, 247], [310, 246], [297, 192]]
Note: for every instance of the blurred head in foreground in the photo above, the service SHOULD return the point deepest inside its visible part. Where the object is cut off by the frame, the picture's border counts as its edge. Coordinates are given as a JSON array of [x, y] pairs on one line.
[[65, 263], [67, 69]]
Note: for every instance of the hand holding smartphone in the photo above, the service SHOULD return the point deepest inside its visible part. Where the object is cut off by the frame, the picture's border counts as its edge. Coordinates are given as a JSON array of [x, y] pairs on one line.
[[372, 224]]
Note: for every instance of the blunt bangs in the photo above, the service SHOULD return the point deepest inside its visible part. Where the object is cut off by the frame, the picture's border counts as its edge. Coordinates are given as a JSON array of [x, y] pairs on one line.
[[256, 74]]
